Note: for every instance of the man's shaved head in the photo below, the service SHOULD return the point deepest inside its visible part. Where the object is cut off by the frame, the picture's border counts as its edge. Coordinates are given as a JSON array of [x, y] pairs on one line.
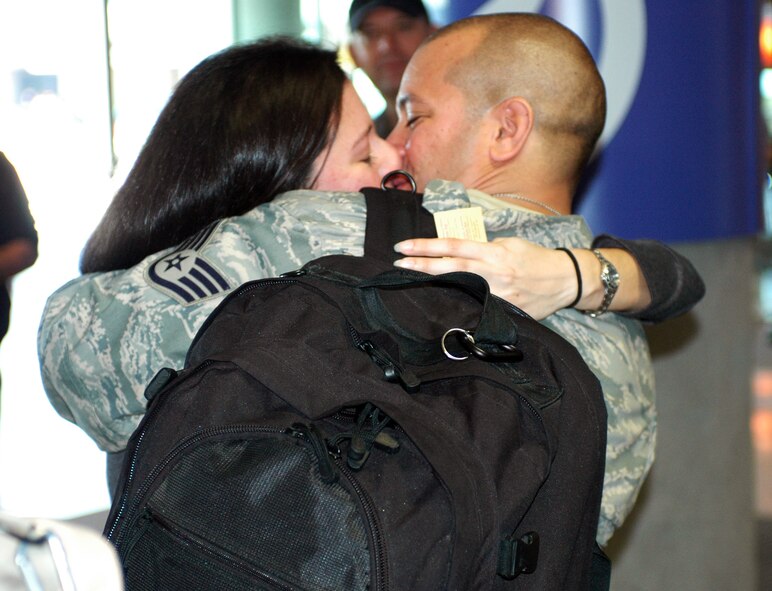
[[536, 58]]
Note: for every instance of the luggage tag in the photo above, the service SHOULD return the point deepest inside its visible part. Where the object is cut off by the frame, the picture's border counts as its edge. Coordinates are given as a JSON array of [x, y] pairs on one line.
[[466, 223]]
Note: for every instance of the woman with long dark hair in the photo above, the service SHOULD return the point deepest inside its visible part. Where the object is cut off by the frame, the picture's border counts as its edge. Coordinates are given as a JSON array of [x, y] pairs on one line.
[[243, 126]]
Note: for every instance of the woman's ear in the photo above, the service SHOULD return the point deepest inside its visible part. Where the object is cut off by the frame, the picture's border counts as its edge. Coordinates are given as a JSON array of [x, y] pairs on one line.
[[513, 125]]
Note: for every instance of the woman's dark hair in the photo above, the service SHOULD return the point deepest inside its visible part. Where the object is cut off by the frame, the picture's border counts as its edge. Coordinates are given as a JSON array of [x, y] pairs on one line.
[[241, 127]]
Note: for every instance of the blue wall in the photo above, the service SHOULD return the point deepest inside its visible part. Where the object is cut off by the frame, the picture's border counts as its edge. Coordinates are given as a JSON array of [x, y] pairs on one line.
[[684, 160]]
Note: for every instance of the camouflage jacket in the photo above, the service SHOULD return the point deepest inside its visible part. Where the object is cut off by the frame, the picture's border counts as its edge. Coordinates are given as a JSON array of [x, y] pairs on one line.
[[103, 336]]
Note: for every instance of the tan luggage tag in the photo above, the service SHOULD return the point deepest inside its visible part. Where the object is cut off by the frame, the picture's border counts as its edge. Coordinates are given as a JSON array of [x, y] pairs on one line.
[[464, 223]]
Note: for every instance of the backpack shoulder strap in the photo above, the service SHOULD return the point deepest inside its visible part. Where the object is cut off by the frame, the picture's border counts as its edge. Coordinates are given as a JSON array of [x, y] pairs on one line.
[[392, 216]]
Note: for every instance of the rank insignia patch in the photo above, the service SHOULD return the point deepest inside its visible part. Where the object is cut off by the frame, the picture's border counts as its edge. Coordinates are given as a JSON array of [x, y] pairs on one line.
[[185, 275]]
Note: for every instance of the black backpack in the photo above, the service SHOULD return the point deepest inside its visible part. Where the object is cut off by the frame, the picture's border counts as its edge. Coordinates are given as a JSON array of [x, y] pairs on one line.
[[353, 426]]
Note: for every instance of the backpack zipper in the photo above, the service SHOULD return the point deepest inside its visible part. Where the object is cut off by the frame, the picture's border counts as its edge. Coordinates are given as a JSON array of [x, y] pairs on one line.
[[380, 560], [181, 534], [147, 421]]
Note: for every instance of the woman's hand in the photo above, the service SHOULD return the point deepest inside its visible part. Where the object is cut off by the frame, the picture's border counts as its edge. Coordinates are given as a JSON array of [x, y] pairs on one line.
[[536, 279]]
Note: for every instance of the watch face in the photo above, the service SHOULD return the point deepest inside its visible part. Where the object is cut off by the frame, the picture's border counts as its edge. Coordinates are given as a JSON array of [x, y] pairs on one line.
[[609, 276], [612, 275]]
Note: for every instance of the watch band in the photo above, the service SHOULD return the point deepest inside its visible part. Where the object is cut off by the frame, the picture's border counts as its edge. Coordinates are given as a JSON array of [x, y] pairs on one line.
[[609, 276]]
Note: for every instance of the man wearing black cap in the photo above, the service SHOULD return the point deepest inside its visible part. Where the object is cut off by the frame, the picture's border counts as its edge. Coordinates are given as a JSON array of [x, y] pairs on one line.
[[385, 33]]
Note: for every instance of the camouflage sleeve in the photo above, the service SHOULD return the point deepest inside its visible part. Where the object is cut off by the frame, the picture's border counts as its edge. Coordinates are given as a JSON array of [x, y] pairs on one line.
[[104, 336], [100, 343], [295, 228]]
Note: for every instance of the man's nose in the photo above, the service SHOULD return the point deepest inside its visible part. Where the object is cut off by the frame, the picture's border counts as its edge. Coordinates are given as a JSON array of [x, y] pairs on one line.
[[386, 42]]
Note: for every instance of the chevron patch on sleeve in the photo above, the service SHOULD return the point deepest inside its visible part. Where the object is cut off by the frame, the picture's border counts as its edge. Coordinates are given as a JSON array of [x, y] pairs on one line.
[[185, 275]]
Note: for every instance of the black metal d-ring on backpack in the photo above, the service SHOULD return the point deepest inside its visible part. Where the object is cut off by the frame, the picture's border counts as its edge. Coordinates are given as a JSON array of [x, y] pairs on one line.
[[354, 426]]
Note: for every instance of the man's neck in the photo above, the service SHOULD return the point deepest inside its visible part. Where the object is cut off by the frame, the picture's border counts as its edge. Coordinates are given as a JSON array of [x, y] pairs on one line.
[[531, 197]]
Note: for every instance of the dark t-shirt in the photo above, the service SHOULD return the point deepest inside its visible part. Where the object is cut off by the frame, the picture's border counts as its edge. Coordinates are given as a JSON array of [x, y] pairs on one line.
[[15, 222]]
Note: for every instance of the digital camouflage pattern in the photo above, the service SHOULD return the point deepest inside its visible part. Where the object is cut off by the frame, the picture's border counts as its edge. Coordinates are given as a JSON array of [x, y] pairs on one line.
[[104, 336]]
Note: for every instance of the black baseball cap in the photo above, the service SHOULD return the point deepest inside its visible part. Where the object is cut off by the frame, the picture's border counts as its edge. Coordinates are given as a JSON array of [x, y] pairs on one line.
[[360, 8]]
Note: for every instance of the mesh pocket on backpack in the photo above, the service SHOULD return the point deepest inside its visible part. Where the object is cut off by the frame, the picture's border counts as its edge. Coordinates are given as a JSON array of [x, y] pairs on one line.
[[260, 506]]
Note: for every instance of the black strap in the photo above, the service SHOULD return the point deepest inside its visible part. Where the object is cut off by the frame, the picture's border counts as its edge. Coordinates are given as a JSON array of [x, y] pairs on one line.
[[393, 216], [600, 571]]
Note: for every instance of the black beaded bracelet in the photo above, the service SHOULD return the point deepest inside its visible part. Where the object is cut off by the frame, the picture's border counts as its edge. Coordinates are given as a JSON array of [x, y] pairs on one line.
[[578, 277]]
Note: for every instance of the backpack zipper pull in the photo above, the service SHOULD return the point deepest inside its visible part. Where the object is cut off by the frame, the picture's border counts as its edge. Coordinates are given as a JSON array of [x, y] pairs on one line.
[[319, 446], [391, 371], [386, 442]]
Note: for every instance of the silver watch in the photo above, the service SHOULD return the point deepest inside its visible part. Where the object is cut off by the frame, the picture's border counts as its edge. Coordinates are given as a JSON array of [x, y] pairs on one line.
[[609, 276]]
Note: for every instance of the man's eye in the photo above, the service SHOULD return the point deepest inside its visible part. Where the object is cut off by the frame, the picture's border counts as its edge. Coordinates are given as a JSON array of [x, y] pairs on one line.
[[370, 34], [411, 122], [406, 26]]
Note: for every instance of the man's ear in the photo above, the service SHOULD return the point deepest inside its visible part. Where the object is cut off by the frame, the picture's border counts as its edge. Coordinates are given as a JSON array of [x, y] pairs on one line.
[[513, 123]]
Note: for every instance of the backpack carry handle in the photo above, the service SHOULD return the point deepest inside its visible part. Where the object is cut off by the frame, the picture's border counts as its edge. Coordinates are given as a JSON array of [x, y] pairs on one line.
[[495, 327], [394, 215]]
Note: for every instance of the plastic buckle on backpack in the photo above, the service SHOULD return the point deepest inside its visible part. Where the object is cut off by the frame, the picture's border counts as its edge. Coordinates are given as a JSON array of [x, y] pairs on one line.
[[159, 382], [517, 557]]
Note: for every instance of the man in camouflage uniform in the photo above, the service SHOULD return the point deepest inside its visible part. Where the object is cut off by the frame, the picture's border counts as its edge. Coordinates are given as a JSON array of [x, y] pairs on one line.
[[104, 336], [513, 105]]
